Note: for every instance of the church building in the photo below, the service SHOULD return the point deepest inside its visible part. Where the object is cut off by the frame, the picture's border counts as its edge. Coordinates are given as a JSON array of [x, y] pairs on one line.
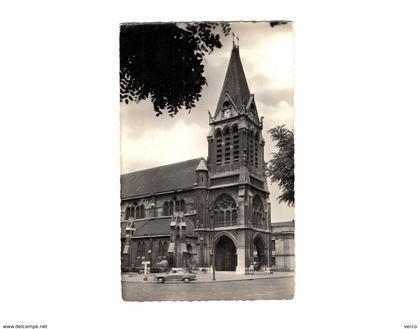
[[209, 211]]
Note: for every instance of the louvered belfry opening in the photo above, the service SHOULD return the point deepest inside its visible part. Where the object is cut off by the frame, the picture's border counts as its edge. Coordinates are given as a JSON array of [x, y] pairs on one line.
[[235, 136], [218, 147], [227, 140]]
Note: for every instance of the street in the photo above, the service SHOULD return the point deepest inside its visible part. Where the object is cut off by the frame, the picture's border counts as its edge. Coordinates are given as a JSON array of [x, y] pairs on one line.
[[272, 288]]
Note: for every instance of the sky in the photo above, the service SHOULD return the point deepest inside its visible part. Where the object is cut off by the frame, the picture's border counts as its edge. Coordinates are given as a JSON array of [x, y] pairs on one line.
[[267, 55]]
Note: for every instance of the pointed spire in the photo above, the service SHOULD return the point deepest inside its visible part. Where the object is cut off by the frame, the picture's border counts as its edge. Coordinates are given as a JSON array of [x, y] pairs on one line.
[[235, 83], [202, 166]]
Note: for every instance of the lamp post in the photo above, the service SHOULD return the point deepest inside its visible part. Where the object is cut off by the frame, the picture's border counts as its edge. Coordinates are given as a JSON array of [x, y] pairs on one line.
[[138, 263], [213, 266], [201, 252], [145, 268], [150, 258], [130, 230]]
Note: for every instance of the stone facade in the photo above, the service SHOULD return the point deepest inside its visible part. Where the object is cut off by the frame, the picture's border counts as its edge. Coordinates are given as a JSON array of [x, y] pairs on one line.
[[283, 246], [205, 212]]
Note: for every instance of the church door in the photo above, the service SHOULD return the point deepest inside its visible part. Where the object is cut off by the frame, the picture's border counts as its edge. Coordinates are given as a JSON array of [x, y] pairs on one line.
[[258, 253], [225, 255]]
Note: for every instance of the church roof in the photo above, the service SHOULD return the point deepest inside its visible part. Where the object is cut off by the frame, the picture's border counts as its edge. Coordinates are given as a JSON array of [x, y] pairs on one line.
[[170, 177], [160, 226], [235, 81], [150, 227]]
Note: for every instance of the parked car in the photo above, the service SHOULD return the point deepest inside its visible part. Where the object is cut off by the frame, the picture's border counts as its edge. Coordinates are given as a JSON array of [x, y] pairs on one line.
[[175, 274]]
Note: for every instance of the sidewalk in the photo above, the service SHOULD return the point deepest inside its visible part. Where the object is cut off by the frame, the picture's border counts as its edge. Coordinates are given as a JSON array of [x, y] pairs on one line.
[[208, 277]]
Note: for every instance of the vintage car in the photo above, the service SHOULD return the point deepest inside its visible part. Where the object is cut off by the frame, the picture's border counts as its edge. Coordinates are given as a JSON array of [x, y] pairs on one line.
[[175, 274]]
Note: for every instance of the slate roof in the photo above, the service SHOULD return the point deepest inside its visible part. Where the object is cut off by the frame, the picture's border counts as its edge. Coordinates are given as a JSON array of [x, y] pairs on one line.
[[159, 226], [170, 177], [235, 81]]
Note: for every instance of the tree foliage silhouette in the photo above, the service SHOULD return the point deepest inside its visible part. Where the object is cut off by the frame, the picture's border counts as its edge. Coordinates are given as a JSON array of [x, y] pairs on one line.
[[165, 62], [281, 169]]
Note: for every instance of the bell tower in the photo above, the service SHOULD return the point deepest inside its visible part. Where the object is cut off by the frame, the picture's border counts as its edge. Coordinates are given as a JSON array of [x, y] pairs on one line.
[[235, 136], [238, 204]]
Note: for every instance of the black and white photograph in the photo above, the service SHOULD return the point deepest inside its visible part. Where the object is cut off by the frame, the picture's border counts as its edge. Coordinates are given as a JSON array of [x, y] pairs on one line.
[[209, 165], [207, 159]]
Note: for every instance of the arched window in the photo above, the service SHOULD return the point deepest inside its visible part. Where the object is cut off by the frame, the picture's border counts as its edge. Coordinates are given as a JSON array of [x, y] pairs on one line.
[[227, 216], [235, 136], [226, 136], [180, 205], [164, 248], [167, 208], [161, 249], [251, 147], [218, 137], [257, 213], [218, 218], [141, 249], [165, 211], [142, 212], [127, 213], [226, 104], [256, 141], [137, 212], [234, 216], [223, 208], [130, 212]]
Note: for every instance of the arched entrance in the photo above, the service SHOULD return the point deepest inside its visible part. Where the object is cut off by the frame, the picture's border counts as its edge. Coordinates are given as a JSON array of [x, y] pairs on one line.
[[188, 256], [258, 253], [225, 255]]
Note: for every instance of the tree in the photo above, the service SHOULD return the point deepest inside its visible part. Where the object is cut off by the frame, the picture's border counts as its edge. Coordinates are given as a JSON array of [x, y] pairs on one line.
[[281, 169], [276, 23], [165, 62]]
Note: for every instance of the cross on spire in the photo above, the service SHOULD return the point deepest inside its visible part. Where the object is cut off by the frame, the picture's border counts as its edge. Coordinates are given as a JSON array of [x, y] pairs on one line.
[[235, 44]]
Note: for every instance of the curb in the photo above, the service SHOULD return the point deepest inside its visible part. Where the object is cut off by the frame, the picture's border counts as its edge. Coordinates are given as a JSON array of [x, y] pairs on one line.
[[211, 281]]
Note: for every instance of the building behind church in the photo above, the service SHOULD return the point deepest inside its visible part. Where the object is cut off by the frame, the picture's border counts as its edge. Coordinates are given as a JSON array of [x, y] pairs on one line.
[[283, 246], [205, 212]]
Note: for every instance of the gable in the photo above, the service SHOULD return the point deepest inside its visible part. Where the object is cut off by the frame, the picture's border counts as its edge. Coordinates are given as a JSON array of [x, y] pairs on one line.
[[251, 109], [225, 107]]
